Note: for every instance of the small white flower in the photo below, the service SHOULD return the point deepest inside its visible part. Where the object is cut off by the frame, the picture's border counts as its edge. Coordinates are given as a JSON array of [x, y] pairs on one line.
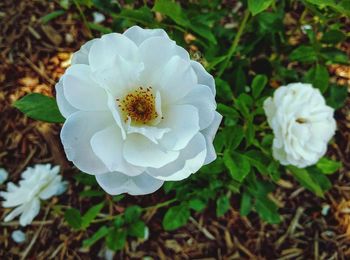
[[39, 182], [18, 236], [138, 111], [302, 124], [3, 175]]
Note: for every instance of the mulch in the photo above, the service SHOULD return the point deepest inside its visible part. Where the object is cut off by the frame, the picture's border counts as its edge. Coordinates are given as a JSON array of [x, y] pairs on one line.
[[33, 57]]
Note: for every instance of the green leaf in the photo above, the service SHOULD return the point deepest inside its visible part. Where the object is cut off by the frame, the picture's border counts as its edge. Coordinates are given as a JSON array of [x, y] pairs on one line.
[[73, 217], [100, 233], [91, 214], [258, 85], [132, 213], [119, 221], [249, 131], [141, 15], [222, 205], [311, 179], [257, 6], [328, 166], [242, 103], [64, 4], [318, 76], [197, 204], [246, 204], [334, 55], [45, 19], [85, 179], [336, 96], [223, 89], [333, 37], [116, 239], [87, 3], [321, 3], [40, 107], [227, 111], [91, 193], [269, 23], [169, 186], [233, 136], [137, 229], [303, 54], [173, 10], [100, 28], [176, 217], [258, 160], [204, 31], [238, 165], [267, 210]]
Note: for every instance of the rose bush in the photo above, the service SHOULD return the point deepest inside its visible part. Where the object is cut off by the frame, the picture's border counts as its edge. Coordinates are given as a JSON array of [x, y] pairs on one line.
[[302, 124], [138, 111]]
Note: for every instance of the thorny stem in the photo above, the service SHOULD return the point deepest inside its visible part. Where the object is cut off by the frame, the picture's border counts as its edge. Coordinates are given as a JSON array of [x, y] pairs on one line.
[[235, 43]]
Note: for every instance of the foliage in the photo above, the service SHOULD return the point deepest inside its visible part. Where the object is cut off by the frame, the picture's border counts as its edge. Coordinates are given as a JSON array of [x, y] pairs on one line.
[[247, 56]]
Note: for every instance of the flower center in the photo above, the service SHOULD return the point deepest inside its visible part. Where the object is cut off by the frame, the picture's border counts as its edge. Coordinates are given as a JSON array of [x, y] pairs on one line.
[[301, 120], [139, 106]]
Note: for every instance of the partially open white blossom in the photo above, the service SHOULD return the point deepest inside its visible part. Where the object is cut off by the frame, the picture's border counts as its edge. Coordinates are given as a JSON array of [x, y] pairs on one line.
[[138, 111], [40, 182], [302, 124]]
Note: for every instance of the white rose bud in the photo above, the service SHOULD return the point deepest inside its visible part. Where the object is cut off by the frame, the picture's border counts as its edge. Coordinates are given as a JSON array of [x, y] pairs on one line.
[[302, 124]]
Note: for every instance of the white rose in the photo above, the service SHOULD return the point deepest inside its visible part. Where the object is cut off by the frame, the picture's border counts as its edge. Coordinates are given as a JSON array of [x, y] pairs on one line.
[[40, 182], [302, 124], [138, 111]]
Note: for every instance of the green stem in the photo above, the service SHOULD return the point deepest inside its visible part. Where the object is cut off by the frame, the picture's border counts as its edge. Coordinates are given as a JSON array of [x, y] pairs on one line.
[[83, 17], [235, 43], [160, 205], [157, 206]]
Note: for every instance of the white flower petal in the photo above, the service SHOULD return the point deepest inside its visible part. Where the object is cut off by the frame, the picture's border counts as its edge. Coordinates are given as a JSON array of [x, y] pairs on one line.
[[176, 80], [104, 51], [153, 133], [155, 53], [18, 236], [82, 55], [120, 77], [55, 187], [116, 113], [140, 151], [64, 106], [209, 134], [203, 76], [3, 175], [107, 144], [116, 183], [202, 98], [14, 213], [191, 159], [183, 121], [138, 35], [78, 86], [31, 210], [76, 134]]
